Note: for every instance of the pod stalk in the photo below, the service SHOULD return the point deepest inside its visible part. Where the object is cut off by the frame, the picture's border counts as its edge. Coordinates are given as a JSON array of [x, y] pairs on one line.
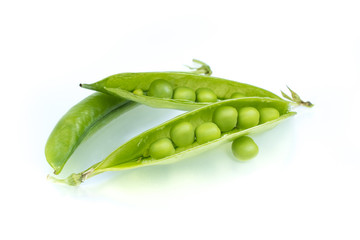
[[74, 179], [295, 98]]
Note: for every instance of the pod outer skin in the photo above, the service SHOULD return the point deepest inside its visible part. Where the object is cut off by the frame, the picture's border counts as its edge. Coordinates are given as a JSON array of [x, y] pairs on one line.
[[75, 125]]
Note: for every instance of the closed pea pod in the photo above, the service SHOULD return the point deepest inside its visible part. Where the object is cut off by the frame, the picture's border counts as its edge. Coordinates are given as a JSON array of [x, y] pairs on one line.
[[134, 153], [76, 124]]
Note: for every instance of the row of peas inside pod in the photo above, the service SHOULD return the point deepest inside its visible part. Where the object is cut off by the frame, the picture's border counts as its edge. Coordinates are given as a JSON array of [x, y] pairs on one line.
[[224, 120], [163, 89]]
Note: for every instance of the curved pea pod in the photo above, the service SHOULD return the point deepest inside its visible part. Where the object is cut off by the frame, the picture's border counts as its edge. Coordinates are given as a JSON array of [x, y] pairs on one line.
[[79, 122], [123, 85], [135, 152]]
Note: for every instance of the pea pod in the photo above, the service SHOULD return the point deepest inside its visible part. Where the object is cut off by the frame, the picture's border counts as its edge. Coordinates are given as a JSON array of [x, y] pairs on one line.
[[135, 152], [76, 124], [126, 85]]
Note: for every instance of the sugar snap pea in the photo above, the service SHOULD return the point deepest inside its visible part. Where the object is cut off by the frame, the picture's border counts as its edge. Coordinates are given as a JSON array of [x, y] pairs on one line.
[[138, 151], [124, 85], [77, 123]]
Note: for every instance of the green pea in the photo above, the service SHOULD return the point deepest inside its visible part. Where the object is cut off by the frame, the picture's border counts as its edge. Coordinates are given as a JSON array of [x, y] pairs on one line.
[[237, 95], [182, 134], [248, 117], [184, 93], [244, 148], [205, 95], [207, 132], [138, 91], [268, 114], [160, 88], [161, 148], [225, 117]]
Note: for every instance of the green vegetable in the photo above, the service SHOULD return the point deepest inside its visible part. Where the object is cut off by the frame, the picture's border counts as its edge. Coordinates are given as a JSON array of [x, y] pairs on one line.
[[225, 117], [185, 93], [161, 148], [207, 132], [237, 95], [205, 95], [138, 92], [160, 88], [76, 124], [244, 148], [182, 134], [137, 151], [268, 114], [248, 117], [123, 85]]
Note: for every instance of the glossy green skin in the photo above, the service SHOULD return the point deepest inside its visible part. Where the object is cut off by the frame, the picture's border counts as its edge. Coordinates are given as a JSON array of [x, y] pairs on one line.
[[248, 117], [184, 93], [161, 148], [244, 148], [207, 132], [205, 95], [124, 84], [75, 125], [225, 118], [134, 153], [182, 134], [237, 95], [161, 89], [268, 114]]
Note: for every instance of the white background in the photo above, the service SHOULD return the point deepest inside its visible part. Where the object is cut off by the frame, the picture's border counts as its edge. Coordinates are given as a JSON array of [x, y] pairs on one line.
[[304, 184]]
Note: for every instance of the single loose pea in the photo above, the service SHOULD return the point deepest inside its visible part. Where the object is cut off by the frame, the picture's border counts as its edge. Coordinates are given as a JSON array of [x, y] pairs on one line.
[[160, 88], [237, 95], [184, 93], [138, 91], [225, 117], [161, 148], [182, 134], [248, 117], [205, 95], [268, 114], [207, 132], [244, 148]]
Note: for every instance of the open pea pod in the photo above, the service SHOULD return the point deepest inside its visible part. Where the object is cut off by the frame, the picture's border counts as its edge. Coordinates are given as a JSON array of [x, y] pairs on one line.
[[135, 152], [123, 85], [79, 122]]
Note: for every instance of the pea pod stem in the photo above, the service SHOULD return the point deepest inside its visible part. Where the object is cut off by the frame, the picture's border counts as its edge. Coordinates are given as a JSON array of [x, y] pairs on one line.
[[203, 69], [295, 98]]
